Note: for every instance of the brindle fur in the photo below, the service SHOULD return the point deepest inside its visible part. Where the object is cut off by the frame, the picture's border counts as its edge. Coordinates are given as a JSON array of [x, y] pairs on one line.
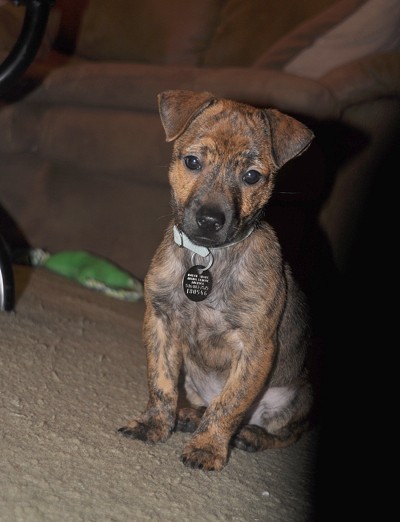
[[243, 349]]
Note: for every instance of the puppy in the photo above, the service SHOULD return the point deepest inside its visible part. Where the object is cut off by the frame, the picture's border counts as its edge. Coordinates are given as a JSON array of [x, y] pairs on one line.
[[221, 304]]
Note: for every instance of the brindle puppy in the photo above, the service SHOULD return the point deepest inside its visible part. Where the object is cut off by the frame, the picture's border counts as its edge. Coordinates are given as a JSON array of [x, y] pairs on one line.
[[220, 302]]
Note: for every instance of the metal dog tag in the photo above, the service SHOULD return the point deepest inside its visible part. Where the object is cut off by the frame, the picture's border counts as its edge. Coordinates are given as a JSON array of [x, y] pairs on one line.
[[197, 283]]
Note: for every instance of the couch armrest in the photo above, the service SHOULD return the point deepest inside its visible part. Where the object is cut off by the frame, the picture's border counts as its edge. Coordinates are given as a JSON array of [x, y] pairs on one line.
[[363, 80], [135, 87]]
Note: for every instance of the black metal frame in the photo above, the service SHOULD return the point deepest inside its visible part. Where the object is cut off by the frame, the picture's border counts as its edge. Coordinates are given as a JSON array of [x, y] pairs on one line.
[[18, 60], [28, 42]]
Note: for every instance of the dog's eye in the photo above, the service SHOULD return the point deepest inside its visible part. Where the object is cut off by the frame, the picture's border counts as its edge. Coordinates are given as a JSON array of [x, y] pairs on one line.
[[192, 163], [251, 177]]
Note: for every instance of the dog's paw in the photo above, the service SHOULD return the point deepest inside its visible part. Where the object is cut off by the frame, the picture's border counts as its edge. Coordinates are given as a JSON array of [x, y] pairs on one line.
[[141, 431], [188, 419], [207, 458], [251, 438]]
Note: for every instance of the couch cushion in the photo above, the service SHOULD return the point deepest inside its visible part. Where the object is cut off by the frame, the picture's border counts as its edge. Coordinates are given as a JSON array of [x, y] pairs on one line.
[[246, 29], [344, 32], [373, 28], [154, 31]]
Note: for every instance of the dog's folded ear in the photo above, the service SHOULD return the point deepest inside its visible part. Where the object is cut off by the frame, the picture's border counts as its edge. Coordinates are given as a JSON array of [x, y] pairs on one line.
[[178, 108], [289, 137]]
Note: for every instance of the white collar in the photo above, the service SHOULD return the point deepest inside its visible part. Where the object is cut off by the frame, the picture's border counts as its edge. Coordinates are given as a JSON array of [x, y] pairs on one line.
[[182, 240]]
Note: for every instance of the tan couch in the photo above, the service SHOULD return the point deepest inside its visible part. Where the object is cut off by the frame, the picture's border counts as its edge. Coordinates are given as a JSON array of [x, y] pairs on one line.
[[83, 154]]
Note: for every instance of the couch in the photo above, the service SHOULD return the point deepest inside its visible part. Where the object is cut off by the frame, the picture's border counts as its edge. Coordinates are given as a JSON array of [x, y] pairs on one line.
[[83, 154]]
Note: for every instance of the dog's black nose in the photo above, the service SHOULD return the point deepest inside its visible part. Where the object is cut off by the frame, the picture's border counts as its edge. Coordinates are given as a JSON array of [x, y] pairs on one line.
[[210, 219]]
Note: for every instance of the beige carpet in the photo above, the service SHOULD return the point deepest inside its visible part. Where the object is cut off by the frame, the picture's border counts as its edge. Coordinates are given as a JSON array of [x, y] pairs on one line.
[[72, 370]]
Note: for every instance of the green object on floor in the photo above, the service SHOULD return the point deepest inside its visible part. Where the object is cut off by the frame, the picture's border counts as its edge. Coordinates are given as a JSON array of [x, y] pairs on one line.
[[90, 271]]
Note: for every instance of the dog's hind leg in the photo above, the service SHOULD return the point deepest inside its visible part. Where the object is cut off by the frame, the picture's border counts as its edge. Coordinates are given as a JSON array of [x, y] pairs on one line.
[[279, 420], [254, 438]]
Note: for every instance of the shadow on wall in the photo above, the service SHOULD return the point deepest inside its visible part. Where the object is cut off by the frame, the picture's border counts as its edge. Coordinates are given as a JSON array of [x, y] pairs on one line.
[[14, 242], [71, 21], [336, 302], [11, 232], [360, 332]]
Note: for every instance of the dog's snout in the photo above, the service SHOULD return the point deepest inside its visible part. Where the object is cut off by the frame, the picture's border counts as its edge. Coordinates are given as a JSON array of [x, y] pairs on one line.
[[210, 218]]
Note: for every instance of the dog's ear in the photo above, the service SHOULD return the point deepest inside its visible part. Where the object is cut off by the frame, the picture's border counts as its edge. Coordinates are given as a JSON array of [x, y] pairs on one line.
[[179, 108], [289, 137]]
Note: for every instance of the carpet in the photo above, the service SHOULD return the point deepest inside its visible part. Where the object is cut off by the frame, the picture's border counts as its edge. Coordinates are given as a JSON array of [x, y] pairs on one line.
[[73, 370]]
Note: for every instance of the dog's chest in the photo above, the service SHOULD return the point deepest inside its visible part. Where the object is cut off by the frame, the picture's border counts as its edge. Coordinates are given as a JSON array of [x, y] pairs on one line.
[[200, 328], [208, 331], [205, 335]]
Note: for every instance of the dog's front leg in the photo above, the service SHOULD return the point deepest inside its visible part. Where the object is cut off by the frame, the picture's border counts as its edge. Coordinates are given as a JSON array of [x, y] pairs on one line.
[[209, 446], [163, 365]]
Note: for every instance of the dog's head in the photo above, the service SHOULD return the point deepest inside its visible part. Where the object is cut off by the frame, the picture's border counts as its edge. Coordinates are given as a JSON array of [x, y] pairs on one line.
[[224, 161]]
